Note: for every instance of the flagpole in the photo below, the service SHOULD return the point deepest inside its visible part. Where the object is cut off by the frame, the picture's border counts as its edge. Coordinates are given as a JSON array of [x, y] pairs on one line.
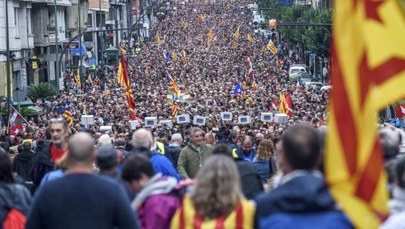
[[32, 127]]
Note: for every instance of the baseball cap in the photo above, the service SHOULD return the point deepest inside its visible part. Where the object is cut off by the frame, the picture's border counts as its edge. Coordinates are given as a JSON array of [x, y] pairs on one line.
[[107, 156]]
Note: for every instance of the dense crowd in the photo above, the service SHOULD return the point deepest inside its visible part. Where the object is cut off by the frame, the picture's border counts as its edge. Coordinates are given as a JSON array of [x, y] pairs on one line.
[[220, 175]]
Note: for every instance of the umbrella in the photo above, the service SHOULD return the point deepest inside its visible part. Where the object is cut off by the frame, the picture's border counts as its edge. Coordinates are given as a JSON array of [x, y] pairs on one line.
[[300, 75]]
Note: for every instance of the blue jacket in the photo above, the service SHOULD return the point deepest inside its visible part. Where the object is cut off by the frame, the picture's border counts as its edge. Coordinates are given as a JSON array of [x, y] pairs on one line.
[[302, 202], [163, 165], [247, 157], [263, 169]]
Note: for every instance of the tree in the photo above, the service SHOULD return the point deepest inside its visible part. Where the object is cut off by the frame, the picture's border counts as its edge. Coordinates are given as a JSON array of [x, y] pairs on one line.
[[41, 91], [311, 37]]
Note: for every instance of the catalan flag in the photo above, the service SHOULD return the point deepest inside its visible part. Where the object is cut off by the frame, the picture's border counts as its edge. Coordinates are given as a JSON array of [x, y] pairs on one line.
[[175, 109], [77, 79], [236, 35], [250, 39], [365, 79], [186, 217], [272, 47], [68, 113], [123, 79], [184, 55], [172, 84], [283, 106]]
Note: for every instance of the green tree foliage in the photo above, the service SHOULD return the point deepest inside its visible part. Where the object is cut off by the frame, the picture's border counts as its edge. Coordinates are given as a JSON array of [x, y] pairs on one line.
[[311, 38], [41, 91]]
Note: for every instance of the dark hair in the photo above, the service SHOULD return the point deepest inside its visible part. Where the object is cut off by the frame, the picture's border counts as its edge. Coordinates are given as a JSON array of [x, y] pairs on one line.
[[6, 170], [136, 165], [301, 147], [399, 172], [223, 149]]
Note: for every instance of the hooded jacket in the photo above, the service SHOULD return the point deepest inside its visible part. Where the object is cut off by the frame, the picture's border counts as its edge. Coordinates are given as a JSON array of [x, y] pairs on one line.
[[190, 160], [13, 196], [22, 164], [154, 205], [303, 201]]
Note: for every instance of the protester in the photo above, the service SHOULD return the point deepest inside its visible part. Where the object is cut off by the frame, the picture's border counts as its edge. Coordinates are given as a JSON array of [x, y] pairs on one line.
[[216, 199], [155, 203], [49, 152], [192, 156], [251, 184], [309, 206], [175, 147], [12, 194], [246, 151], [397, 203], [263, 160], [22, 164], [59, 204], [142, 141]]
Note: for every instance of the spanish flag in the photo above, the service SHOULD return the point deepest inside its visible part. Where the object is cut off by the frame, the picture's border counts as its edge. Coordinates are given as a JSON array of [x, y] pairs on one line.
[[368, 74], [123, 79]]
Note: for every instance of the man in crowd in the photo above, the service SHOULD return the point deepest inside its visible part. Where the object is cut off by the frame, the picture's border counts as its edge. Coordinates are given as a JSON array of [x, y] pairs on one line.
[[193, 155], [302, 197], [81, 199], [48, 153], [246, 151], [175, 147], [142, 142]]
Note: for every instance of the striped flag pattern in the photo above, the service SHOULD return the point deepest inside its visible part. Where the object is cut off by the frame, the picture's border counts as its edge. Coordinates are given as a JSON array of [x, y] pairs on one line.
[[186, 217], [366, 79], [272, 47], [68, 113], [123, 79]]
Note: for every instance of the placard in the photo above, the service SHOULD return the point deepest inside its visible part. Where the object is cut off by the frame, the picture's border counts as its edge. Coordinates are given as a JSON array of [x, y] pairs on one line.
[[87, 119], [244, 119], [266, 117], [280, 118], [133, 124], [199, 120], [150, 121], [105, 128], [181, 119], [226, 116]]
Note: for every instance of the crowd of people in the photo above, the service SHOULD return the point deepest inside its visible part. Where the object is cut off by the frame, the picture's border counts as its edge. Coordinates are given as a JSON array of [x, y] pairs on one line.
[[220, 175]]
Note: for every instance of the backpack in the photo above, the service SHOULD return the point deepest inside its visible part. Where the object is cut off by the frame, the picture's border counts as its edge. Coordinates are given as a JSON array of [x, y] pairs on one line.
[[14, 219]]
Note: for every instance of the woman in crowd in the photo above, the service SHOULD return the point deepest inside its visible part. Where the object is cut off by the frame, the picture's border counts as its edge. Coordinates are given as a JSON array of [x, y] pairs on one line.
[[264, 162], [13, 196], [217, 200], [155, 204]]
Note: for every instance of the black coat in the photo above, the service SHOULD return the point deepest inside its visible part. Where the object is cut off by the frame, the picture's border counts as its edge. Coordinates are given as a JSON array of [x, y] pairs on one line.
[[22, 164], [251, 183], [41, 162]]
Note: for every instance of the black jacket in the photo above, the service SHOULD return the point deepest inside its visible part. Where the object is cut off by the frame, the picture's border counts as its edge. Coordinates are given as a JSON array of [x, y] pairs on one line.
[[41, 162], [251, 183], [175, 153], [22, 164]]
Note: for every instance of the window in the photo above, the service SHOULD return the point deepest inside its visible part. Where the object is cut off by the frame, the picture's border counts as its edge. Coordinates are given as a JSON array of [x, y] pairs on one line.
[[17, 22], [89, 20], [29, 21]]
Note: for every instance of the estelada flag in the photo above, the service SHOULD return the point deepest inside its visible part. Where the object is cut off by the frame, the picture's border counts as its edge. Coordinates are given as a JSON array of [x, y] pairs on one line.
[[368, 74]]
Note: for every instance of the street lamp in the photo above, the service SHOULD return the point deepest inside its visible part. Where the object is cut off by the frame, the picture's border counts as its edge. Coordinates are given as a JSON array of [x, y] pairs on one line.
[[8, 61]]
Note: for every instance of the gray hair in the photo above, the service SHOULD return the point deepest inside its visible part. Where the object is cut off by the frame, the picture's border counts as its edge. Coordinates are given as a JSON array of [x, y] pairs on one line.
[[390, 141], [142, 138]]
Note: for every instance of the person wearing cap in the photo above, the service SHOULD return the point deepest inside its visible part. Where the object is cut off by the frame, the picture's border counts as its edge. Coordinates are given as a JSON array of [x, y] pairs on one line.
[[107, 160], [175, 147]]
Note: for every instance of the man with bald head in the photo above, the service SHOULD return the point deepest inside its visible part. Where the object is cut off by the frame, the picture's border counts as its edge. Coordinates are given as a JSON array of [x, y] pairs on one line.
[[142, 142], [81, 199]]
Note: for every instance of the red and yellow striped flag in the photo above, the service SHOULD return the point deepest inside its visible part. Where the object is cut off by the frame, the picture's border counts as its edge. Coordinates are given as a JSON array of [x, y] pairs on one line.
[[123, 79], [175, 109], [283, 106], [186, 217], [368, 74]]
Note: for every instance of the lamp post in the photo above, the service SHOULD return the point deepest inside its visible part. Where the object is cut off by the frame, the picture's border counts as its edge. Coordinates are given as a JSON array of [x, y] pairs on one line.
[[101, 37], [56, 48], [8, 61]]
